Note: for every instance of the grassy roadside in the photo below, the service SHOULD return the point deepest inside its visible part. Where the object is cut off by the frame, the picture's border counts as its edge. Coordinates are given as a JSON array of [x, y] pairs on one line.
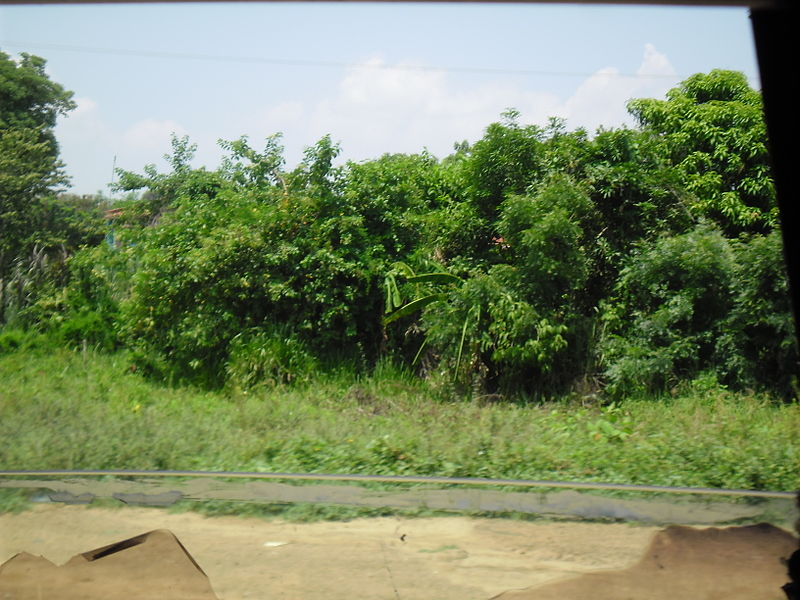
[[63, 410]]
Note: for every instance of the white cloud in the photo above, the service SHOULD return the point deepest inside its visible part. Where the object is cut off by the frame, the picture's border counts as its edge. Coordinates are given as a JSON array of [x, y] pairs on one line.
[[374, 108], [86, 143], [84, 123], [601, 99], [379, 108], [90, 147], [655, 63], [283, 117], [85, 106], [151, 134]]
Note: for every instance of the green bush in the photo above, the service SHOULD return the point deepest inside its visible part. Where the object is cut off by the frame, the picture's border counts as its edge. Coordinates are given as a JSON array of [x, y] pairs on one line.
[[547, 257], [268, 357], [758, 347], [712, 130], [12, 340], [486, 337], [506, 160], [672, 299], [222, 264], [88, 327], [544, 242], [86, 309]]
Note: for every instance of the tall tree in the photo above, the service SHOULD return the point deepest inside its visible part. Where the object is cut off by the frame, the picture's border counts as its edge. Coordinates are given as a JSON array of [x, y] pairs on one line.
[[30, 103], [712, 129]]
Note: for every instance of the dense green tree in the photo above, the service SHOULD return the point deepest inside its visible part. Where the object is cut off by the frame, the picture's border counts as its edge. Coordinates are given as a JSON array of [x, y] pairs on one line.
[[712, 129], [397, 196], [248, 168], [535, 260], [518, 324], [29, 167], [758, 347], [28, 98], [230, 273], [505, 161], [671, 301], [161, 191]]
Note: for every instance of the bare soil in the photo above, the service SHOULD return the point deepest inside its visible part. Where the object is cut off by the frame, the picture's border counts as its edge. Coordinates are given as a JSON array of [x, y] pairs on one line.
[[387, 558]]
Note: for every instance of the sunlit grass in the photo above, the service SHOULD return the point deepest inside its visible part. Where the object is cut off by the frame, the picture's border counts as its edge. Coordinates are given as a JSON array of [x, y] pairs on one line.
[[81, 410]]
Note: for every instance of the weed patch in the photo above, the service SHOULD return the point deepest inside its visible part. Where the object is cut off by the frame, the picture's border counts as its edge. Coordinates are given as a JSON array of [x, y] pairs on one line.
[[62, 409]]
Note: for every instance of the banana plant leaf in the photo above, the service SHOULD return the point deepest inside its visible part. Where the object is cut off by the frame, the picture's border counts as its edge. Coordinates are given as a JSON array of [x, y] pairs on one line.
[[413, 307]]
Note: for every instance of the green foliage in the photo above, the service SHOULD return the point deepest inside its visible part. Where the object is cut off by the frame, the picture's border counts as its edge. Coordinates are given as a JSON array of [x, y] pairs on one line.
[[457, 234], [534, 261], [543, 236], [712, 129], [672, 298], [758, 347], [87, 327], [227, 262], [73, 410], [28, 98], [268, 357], [70, 222], [505, 161], [59, 228], [635, 191], [163, 190], [29, 105], [508, 343], [86, 309], [248, 168], [700, 303], [393, 194], [316, 175], [396, 308], [29, 168], [12, 340], [38, 229]]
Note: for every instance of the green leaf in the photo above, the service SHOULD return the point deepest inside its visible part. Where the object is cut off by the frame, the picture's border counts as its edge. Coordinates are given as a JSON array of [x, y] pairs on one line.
[[393, 299], [403, 268], [442, 278], [419, 352], [413, 307], [464, 335]]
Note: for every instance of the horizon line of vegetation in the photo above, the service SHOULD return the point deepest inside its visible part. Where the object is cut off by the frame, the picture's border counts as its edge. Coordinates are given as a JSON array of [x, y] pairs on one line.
[[536, 262]]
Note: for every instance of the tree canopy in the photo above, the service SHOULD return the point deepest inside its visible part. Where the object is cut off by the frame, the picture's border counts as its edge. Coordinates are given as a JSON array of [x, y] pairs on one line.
[[33, 222], [536, 260]]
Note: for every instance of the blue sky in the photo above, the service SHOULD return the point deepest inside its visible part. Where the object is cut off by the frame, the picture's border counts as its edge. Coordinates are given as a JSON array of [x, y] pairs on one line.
[[377, 77]]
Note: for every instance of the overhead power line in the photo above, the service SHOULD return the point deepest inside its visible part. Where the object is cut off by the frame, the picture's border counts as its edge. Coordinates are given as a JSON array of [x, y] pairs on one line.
[[290, 62]]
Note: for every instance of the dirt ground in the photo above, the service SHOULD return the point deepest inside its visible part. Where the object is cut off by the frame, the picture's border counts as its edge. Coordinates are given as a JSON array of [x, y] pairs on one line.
[[385, 558]]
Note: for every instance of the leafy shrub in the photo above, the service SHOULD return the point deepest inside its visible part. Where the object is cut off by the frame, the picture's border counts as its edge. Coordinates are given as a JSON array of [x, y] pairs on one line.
[[392, 194], [505, 161], [672, 299], [543, 235], [222, 264], [11, 340], [86, 308], [544, 253], [485, 336], [712, 128], [88, 327], [457, 235], [758, 346], [268, 357]]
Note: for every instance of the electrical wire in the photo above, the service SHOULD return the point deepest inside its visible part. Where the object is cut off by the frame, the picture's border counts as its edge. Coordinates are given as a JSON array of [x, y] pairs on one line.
[[333, 64]]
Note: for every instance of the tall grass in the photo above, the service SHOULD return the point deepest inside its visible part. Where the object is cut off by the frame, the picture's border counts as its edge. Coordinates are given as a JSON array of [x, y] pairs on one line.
[[63, 409]]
